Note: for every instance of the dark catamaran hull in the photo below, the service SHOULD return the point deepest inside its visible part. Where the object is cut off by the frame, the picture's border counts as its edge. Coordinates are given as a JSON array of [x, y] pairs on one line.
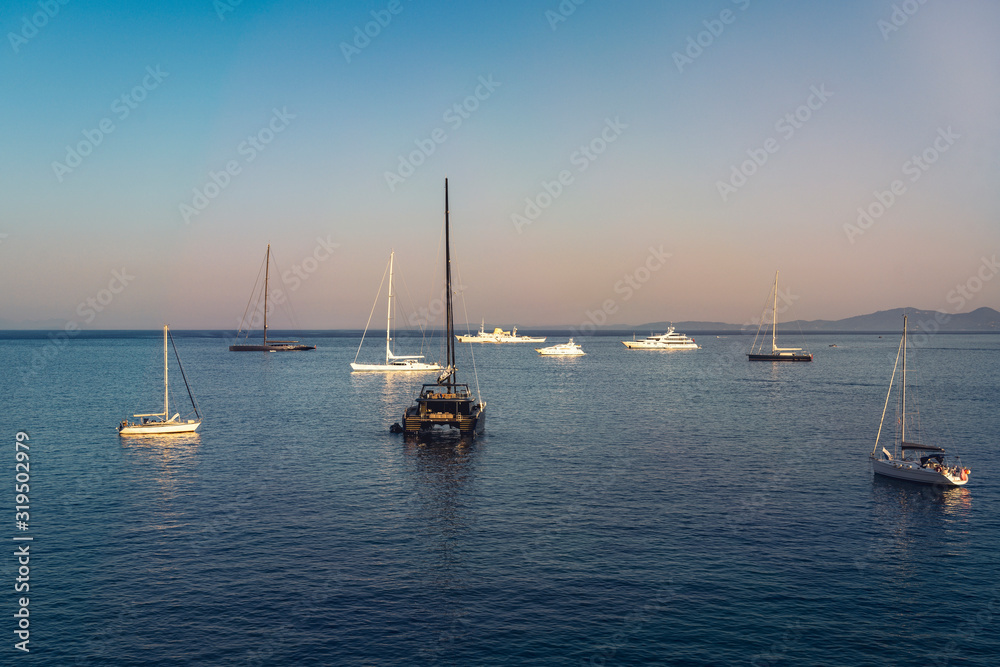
[[780, 357], [469, 425], [270, 348]]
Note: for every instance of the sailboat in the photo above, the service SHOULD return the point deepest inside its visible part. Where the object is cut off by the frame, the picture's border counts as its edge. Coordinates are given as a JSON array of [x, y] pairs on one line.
[[909, 460], [266, 346], [393, 362], [160, 423], [757, 353], [447, 403]]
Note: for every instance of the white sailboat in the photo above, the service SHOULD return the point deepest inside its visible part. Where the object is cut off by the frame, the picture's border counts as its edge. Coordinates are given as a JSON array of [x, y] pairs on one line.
[[908, 460], [757, 353], [161, 423], [393, 362]]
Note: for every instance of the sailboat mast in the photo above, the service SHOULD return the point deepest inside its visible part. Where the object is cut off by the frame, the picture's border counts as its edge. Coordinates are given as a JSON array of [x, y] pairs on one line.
[[902, 430], [450, 324], [267, 268], [774, 314], [388, 318], [166, 385]]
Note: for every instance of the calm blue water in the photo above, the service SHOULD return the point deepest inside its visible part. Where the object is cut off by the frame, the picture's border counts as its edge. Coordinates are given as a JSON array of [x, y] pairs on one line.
[[623, 508]]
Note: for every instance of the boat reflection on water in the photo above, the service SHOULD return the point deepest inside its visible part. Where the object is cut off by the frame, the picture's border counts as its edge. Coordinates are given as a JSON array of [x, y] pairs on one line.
[[444, 471], [912, 498], [165, 459]]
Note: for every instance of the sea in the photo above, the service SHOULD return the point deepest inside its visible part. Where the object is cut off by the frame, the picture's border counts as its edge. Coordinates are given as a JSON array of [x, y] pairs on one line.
[[622, 508]]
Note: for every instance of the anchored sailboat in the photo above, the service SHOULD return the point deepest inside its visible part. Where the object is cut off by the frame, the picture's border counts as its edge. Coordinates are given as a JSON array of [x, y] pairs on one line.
[[266, 346], [393, 362], [446, 404], [929, 466], [161, 423], [776, 353]]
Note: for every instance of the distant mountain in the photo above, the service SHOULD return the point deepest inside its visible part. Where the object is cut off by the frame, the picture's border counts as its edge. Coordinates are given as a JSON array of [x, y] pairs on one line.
[[981, 320]]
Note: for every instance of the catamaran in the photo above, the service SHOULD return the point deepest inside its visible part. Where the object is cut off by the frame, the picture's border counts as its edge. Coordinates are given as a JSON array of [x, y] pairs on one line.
[[266, 346], [667, 341], [393, 362], [909, 460], [161, 423], [757, 353], [445, 404]]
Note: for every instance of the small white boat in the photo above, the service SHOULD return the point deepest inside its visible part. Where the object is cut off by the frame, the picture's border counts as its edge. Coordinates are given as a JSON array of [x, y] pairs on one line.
[[569, 349], [160, 423], [666, 341], [498, 335], [393, 362], [911, 461]]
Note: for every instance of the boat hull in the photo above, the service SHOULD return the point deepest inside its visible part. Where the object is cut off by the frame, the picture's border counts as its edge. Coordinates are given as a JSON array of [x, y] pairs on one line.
[[396, 368], [780, 357], [490, 339], [640, 345], [471, 424], [914, 472], [161, 428], [270, 348]]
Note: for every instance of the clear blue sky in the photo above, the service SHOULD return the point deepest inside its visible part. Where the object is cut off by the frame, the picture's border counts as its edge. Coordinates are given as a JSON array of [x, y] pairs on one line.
[[832, 99]]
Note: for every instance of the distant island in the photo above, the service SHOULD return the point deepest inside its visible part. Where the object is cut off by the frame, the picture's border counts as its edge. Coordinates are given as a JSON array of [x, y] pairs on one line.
[[981, 320]]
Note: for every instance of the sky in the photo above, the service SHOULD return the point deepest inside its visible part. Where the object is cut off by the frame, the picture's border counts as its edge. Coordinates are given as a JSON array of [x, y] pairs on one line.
[[608, 162]]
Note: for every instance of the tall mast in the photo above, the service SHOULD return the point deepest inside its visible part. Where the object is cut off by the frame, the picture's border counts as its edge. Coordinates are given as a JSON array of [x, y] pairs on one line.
[[267, 268], [450, 324], [902, 431], [166, 386], [774, 313], [388, 319]]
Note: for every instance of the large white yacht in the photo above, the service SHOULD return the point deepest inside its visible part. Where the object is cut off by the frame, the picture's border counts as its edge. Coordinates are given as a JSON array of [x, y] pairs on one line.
[[498, 336], [667, 341]]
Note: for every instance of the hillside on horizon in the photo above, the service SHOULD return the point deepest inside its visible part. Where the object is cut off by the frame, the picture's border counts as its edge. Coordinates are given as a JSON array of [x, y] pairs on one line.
[[981, 320]]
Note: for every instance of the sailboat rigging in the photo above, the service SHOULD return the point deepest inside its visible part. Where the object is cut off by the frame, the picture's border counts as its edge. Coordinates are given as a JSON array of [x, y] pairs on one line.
[[930, 465], [393, 362], [447, 403], [757, 353], [266, 346], [161, 423]]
